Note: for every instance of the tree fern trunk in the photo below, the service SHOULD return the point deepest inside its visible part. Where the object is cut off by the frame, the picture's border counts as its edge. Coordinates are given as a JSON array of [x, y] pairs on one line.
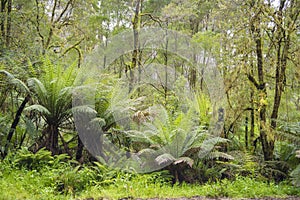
[[52, 140]]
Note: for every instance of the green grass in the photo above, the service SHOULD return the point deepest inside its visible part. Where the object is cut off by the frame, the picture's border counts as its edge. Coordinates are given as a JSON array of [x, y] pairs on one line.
[[20, 184]]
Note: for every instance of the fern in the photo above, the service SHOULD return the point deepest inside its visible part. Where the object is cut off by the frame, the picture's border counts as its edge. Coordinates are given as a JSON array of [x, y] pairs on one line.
[[289, 131], [295, 176], [14, 81]]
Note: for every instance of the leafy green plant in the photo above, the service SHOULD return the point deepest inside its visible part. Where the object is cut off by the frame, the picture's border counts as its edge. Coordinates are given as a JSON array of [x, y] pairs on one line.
[[53, 101], [295, 174], [175, 141], [24, 158]]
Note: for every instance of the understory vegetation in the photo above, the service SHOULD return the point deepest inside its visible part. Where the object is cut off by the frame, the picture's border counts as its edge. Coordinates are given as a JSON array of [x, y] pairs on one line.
[[58, 177]]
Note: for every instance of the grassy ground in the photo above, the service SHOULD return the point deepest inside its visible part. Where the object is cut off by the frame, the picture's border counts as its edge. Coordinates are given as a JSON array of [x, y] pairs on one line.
[[42, 185]]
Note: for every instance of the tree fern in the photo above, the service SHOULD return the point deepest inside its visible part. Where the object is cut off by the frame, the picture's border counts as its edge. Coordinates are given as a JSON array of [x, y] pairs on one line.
[[52, 94], [174, 137]]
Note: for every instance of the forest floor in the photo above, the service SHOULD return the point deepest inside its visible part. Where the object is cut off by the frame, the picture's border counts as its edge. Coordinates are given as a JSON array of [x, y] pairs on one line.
[[206, 198], [221, 198]]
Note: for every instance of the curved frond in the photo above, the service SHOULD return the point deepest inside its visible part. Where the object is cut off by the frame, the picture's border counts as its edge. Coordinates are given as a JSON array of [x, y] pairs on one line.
[[38, 108], [164, 158], [186, 160], [218, 155], [14, 81]]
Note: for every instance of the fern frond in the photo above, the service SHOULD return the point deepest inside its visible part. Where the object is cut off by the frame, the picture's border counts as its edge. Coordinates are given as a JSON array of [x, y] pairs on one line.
[[164, 159], [218, 155], [39, 108], [16, 82], [186, 160]]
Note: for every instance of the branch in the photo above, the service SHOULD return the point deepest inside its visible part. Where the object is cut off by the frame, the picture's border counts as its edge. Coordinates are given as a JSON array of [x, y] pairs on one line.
[[38, 23], [252, 80], [63, 12], [156, 19], [74, 46]]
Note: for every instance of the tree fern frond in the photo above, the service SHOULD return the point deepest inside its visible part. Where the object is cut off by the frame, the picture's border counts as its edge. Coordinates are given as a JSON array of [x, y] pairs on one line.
[[38, 87], [164, 159], [39, 108], [147, 153], [218, 155], [16, 82], [187, 160], [289, 131], [84, 110], [208, 145]]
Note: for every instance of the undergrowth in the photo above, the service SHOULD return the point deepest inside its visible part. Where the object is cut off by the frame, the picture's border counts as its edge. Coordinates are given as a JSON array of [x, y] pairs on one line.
[[56, 177]]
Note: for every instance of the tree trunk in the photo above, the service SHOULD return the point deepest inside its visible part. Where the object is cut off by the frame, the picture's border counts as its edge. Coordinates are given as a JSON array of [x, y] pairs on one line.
[[8, 23], [52, 140], [79, 156], [283, 36], [252, 117], [246, 133], [14, 125], [2, 20], [136, 26], [267, 143]]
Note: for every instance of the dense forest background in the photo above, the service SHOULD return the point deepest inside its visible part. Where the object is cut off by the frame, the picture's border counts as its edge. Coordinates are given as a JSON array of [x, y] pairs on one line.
[[255, 46]]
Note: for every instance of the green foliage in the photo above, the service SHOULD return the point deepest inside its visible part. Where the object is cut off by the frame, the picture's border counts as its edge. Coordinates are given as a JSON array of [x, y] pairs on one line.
[[55, 178], [24, 158], [295, 174], [53, 92]]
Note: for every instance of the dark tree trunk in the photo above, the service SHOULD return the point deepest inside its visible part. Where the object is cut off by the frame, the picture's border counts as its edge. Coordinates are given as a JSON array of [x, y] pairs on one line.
[[8, 23], [252, 117], [14, 125], [246, 133], [52, 139], [79, 156], [2, 25], [283, 36]]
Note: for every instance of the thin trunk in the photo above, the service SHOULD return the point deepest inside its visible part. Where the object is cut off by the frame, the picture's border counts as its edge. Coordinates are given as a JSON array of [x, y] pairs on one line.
[[252, 114], [3, 14], [282, 56], [8, 23], [136, 27], [166, 68], [252, 126], [246, 133], [14, 125]]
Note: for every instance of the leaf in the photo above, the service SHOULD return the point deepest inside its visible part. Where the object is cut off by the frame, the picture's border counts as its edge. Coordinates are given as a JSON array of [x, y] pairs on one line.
[[14, 81], [38, 108], [217, 155], [164, 158], [84, 109], [187, 160]]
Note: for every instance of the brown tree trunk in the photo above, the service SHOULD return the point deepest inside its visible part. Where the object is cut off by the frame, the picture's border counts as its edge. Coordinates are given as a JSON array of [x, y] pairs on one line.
[[52, 140], [267, 144], [283, 36]]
